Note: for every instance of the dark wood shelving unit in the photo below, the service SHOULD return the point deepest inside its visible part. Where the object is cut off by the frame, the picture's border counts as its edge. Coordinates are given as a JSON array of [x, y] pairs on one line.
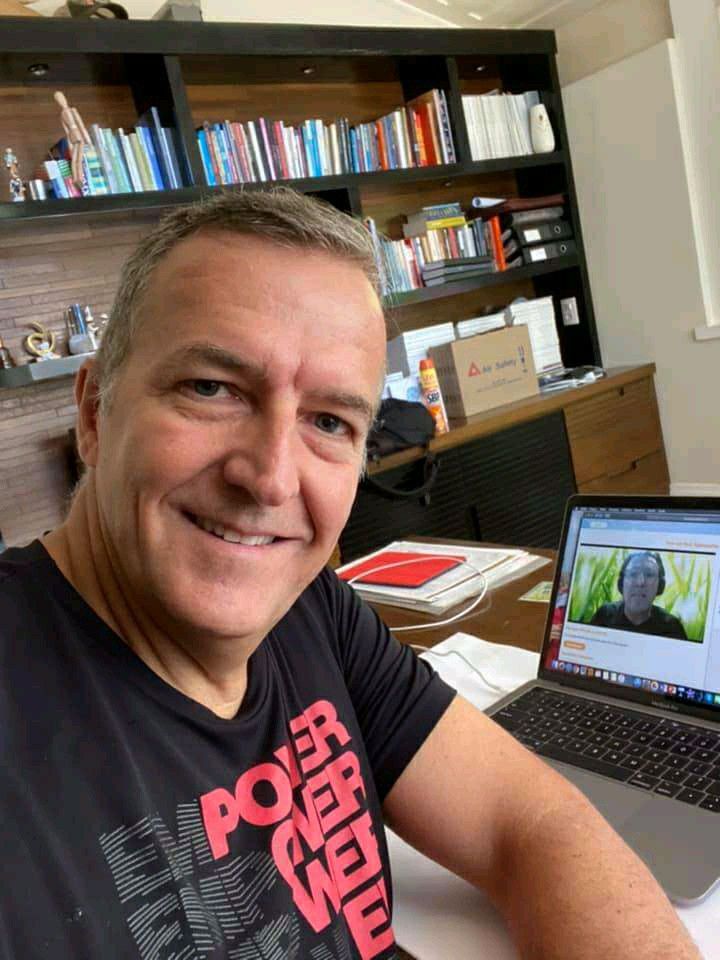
[[196, 72], [527, 271]]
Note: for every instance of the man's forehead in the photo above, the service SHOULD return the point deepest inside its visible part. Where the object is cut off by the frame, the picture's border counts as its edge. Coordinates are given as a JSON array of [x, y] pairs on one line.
[[644, 561]]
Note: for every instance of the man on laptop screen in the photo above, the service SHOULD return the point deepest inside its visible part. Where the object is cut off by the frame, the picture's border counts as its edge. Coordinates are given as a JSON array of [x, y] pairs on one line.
[[642, 579]]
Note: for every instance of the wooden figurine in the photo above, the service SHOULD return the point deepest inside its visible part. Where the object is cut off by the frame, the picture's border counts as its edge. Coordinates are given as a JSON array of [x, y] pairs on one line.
[[77, 136], [17, 187]]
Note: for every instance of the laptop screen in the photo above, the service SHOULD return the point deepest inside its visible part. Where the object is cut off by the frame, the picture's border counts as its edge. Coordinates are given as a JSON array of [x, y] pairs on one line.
[[636, 601]]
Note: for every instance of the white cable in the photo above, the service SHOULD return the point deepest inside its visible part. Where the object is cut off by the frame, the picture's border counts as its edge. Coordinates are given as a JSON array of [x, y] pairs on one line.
[[437, 623], [448, 653]]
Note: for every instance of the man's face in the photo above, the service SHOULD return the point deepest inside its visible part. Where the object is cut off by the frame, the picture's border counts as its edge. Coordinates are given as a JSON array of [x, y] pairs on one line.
[[228, 461], [640, 585]]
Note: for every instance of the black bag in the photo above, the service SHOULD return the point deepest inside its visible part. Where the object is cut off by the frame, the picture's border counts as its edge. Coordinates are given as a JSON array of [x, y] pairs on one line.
[[401, 424]]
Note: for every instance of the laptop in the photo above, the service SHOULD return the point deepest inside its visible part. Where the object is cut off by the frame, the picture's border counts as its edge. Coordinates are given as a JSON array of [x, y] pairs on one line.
[[626, 703]]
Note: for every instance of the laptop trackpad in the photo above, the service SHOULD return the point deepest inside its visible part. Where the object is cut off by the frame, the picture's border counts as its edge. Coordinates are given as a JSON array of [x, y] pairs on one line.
[[680, 844], [616, 803]]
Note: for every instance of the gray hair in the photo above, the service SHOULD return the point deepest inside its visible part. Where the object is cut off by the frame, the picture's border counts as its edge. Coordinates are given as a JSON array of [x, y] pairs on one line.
[[279, 215]]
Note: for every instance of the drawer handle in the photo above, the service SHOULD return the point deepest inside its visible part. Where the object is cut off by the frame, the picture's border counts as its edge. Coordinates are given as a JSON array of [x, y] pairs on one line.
[[618, 473]]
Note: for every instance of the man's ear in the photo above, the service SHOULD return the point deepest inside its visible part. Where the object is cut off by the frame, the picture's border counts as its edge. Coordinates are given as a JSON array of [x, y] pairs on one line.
[[88, 402]]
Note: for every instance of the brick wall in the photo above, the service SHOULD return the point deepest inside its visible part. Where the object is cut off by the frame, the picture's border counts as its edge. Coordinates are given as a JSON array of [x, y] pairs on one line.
[[43, 268]]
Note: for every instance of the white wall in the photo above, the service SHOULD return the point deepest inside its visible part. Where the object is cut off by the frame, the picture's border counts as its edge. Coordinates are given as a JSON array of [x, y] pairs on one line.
[[610, 32], [634, 206]]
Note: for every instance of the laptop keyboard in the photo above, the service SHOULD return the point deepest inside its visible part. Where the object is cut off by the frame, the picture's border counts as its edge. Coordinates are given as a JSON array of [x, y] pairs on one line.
[[663, 756]]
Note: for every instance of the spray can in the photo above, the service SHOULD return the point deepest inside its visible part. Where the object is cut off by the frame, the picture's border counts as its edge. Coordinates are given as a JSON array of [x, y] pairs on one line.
[[432, 396]]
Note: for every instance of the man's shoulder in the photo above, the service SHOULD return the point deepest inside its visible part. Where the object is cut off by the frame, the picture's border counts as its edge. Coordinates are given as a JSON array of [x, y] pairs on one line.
[[26, 585], [608, 611]]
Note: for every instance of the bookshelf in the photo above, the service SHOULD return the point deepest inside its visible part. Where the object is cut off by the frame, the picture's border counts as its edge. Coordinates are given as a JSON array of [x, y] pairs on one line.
[[113, 71]]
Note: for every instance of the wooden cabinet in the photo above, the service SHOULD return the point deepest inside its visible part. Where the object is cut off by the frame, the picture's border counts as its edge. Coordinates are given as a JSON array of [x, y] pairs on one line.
[[616, 440]]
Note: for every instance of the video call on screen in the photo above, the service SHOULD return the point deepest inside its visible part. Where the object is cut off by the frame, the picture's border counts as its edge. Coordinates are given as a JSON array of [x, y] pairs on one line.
[[638, 601]]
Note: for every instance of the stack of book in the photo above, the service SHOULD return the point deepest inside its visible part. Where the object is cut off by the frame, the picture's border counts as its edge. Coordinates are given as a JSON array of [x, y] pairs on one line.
[[539, 317], [498, 124], [415, 135], [433, 577], [405, 351], [495, 320], [439, 246], [115, 163]]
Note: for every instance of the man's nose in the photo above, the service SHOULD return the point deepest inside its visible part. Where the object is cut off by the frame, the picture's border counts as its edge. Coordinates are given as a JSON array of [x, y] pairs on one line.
[[264, 461]]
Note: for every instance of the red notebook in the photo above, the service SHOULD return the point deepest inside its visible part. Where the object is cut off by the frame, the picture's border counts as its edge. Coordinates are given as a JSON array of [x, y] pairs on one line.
[[411, 569]]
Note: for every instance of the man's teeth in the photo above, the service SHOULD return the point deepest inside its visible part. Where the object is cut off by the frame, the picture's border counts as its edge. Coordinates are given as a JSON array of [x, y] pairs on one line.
[[232, 536]]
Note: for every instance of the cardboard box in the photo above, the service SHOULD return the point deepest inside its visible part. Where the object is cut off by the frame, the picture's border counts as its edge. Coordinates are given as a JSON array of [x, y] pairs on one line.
[[481, 372]]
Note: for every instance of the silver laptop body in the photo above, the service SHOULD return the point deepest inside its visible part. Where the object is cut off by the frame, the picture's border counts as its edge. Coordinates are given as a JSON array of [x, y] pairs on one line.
[[631, 659]]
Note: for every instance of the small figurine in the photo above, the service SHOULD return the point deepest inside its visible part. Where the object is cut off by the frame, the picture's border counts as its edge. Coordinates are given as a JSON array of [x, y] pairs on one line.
[[7, 361], [41, 344], [17, 187], [77, 136]]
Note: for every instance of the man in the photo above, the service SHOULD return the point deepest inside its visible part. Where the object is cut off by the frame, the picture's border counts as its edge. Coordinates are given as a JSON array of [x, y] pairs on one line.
[[641, 579], [202, 728]]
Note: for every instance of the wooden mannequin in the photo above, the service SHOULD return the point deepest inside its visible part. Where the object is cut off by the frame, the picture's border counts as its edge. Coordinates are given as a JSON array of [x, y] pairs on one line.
[[77, 136]]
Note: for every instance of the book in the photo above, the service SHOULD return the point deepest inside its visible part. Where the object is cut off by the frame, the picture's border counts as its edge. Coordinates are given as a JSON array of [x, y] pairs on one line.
[[130, 162], [436, 280], [515, 205], [481, 568], [141, 162], [399, 568]]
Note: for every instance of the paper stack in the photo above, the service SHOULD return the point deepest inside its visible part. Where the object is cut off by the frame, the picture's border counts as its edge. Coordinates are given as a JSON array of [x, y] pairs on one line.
[[405, 352], [478, 565], [498, 124], [539, 317], [468, 328]]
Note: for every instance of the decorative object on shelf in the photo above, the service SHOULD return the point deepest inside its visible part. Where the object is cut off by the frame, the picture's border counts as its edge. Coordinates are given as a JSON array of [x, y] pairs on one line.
[[88, 8], [6, 358], [17, 187], [77, 136], [41, 344], [82, 330], [541, 131], [179, 10]]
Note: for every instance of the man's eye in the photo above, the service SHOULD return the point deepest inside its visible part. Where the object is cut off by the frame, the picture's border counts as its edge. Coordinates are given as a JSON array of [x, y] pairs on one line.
[[207, 388], [329, 423]]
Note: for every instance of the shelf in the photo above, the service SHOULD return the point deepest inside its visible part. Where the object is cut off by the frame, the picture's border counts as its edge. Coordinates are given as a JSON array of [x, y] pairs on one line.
[[501, 164], [526, 272], [159, 199], [82, 206], [29, 373]]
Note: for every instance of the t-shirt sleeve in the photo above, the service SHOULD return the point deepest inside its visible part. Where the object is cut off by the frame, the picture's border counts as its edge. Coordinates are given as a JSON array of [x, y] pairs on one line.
[[398, 698]]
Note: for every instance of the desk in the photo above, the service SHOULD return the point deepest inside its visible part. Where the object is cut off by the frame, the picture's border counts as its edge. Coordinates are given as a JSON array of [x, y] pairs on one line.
[[463, 923], [499, 619]]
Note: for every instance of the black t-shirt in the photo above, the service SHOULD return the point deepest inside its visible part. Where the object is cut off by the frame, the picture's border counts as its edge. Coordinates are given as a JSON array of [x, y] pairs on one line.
[[660, 622], [134, 823]]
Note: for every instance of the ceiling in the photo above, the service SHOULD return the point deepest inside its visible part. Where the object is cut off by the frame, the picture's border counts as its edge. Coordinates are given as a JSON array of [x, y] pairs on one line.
[[535, 14]]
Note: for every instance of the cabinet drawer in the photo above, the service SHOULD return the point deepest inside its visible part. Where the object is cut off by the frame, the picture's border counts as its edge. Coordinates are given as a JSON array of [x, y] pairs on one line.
[[646, 475], [610, 432]]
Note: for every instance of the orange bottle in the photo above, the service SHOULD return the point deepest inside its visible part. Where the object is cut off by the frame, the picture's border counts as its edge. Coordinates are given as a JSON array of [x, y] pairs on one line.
[[432, 396]]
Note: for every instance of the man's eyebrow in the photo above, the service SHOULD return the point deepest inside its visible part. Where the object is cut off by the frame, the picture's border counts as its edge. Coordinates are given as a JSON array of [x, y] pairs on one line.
[[214, 356], [351, 401], [226, 360]]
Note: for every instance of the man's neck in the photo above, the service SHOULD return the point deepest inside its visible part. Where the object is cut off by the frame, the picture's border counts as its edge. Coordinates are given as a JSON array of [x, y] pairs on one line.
[[209, 673]]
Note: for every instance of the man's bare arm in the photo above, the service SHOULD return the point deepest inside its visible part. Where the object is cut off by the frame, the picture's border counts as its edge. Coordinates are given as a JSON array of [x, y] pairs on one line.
[[569, 888]]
